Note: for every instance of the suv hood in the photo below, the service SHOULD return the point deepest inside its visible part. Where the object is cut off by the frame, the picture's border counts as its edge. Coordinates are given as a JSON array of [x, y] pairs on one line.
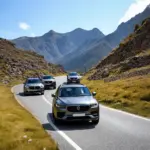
[[78, 100], [35, 84]]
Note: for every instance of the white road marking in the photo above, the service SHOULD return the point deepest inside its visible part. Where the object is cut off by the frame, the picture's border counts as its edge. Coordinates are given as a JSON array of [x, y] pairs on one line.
[[70, 141], [125, 113]]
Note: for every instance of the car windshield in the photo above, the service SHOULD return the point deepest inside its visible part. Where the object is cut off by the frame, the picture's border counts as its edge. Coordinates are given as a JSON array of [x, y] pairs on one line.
[[33, 81], [47, 77], [73, 74], [74, 92]]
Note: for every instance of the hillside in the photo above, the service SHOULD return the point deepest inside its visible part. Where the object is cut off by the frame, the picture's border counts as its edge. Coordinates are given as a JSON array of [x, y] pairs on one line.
[[122, 79], [18, 64], [53, 45], [86, 57], [124, 29], [132, 53]]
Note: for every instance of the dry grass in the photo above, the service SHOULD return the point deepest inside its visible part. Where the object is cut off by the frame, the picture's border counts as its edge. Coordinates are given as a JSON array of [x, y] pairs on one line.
[[16, 122], [131, 95]]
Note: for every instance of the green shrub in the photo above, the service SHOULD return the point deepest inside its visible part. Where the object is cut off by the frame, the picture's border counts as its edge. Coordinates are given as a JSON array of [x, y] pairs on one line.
[[145, 97], [136, 27]]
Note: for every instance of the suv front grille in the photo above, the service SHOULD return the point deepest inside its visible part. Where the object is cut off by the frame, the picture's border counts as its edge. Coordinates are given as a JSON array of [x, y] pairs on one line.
[[73, 78], [34, 87], [48, 81], [78, 108]]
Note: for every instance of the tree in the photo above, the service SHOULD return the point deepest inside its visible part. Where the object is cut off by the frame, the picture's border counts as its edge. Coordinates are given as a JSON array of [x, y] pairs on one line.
[[136, 27]]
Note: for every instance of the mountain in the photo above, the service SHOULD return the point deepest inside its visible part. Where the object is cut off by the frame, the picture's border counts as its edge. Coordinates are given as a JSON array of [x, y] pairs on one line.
[[124, 29], [53, 45], [92, 51], [85, 56], [17, 64], [131, 58]]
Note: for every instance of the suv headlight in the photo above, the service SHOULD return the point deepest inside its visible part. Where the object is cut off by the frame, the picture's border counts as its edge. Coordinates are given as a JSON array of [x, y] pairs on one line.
[[26, 86], [59, 104], [42, 86], [95, 105]]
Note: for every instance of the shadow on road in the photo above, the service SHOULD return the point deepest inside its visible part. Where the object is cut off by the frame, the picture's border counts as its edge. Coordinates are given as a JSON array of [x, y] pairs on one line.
[[67, 126], [22, 94], [47, 126]]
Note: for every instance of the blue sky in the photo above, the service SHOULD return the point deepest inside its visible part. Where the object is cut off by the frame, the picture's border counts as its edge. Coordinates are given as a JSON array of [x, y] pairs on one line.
[[36, 17]]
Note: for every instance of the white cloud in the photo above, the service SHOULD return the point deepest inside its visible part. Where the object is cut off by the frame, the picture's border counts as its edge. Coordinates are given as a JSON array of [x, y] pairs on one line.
[[135, 8], [24, 26], [33, 35]]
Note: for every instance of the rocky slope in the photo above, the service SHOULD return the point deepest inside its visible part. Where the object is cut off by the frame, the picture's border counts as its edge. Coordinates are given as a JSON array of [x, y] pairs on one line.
[[18, 64], [131, 58], [124, 29], [53, 45]]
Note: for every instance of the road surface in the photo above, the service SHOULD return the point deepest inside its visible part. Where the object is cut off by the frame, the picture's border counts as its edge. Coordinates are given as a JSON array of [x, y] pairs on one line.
[[116, 130]]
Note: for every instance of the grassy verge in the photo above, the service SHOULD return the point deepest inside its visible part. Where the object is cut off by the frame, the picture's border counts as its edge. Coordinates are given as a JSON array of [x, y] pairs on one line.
[[131, 95], [19, 130]]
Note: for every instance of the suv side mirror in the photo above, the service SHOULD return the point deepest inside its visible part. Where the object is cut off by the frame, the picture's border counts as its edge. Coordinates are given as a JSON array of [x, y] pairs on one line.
[[53, 95], [94, 93]]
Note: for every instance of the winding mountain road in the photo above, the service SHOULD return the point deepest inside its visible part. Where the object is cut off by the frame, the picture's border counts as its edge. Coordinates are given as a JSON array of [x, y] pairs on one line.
[[116, 130]]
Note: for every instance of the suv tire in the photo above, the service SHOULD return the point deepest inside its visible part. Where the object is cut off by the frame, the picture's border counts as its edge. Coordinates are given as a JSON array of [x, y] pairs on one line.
[[56, 121], [95, 122], [25, 94], [42, 93]]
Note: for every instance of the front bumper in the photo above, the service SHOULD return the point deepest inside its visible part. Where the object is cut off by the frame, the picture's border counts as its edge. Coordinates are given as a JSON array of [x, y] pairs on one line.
[[28, 90], [65, 115], [73, 80], [50, 84]]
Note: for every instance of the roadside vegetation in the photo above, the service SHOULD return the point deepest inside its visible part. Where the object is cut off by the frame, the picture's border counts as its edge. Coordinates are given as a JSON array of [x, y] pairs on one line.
[[19, 130], [131, 95]]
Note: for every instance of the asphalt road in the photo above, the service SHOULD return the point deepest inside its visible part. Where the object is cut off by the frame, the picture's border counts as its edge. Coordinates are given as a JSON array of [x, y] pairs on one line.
[[116, 130]]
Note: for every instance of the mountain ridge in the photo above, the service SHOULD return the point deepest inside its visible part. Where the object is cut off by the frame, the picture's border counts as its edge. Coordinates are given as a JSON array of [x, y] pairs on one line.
[[54, 45]]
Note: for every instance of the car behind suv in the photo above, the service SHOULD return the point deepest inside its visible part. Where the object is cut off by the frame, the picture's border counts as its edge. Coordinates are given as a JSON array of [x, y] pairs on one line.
[[73, 102], [48, 81], [73, 77], [33, 85]]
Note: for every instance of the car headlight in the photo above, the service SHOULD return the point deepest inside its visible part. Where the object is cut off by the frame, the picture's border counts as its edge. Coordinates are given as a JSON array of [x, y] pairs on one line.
[[26, 86], [59, 104], [95, 105], [42, 86]]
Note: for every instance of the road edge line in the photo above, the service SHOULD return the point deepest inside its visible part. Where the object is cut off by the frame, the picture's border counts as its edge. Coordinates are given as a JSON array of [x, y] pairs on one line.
[[66, 137], [125, 113]]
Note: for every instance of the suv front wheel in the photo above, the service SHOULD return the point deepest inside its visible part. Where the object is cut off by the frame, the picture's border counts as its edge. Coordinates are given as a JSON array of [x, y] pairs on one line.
[[95, 122]]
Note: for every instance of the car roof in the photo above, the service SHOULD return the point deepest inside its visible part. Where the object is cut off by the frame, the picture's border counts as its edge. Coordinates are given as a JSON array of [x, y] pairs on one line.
[[72, 85]]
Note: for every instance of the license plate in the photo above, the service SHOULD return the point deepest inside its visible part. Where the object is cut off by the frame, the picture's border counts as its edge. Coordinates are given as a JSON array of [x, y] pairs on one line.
[[79, 115]]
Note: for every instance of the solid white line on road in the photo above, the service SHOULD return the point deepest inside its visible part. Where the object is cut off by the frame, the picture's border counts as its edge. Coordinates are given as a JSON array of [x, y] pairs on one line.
[[125, 113], [60, 132]]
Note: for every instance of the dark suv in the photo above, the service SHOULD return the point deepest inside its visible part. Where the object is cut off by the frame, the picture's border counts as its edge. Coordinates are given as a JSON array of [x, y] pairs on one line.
[[74, 102]]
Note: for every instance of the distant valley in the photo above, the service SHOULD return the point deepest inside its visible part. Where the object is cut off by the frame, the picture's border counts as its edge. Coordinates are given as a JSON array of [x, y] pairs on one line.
[[79, 49]]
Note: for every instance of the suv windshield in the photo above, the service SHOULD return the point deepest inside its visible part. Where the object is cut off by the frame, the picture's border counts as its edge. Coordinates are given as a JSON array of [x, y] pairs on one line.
[[74, 92], [47, 77], [33, 81], [73, 74]]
